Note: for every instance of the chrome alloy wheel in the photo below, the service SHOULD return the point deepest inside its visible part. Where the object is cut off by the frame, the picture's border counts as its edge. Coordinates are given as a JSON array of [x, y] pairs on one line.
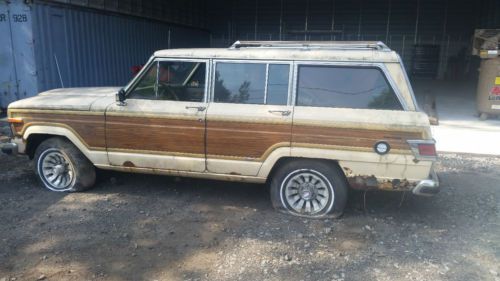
[[56, 170], [307, 192]]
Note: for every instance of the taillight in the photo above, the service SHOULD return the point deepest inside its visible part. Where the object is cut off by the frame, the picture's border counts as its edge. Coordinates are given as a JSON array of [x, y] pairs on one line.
[[427, 149], [423, 149]]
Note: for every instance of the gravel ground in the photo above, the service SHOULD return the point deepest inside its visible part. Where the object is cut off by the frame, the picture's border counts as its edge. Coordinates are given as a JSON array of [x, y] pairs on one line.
[[141, 227]]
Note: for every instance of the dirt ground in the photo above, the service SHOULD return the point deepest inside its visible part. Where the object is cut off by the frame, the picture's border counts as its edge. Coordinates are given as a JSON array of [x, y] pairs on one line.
[[141, 227]]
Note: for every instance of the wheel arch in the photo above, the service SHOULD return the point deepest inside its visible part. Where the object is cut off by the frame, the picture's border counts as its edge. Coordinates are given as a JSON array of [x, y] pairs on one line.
[[36, 134], [286, 159], [34, 140]]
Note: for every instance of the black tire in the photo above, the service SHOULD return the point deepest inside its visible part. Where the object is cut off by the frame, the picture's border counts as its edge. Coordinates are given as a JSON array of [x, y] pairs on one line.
[[63, 162], [327, 174]]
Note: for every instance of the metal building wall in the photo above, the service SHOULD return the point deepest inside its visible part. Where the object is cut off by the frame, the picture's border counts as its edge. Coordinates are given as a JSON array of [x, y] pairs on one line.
[[186, 12], [490, 14], [77, 47], [399, 23]]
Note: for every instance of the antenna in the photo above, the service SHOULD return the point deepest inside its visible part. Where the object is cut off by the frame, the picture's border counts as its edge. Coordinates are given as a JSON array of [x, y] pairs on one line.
[[58, 71]]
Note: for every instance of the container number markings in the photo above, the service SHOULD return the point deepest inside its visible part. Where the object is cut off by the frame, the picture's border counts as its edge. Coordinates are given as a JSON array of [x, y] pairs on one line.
[[20, 17]]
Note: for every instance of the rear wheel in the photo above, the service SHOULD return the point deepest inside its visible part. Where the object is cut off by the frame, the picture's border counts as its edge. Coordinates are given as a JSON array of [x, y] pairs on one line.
[[309, 188], [62, 167]]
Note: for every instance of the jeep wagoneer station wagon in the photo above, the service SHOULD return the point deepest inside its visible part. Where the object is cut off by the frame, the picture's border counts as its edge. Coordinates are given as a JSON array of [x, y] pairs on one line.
[[311, 119]]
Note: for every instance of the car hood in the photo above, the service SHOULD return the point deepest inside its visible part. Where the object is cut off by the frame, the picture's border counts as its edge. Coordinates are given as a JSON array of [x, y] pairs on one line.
[[81, 99]]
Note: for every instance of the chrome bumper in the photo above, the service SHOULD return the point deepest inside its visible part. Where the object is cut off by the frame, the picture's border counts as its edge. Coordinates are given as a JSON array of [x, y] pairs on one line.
[[10, 148], [427, 187]]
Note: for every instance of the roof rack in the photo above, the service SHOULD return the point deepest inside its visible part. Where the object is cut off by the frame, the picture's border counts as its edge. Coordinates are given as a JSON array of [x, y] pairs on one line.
[[323, 45]]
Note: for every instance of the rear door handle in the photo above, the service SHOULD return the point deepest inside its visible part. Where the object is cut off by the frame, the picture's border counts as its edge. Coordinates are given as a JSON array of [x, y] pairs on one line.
[[283, 112], [199, 108]]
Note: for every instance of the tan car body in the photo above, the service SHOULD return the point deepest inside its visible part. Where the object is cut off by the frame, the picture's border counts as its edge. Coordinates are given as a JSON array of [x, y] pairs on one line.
[[239, 142]]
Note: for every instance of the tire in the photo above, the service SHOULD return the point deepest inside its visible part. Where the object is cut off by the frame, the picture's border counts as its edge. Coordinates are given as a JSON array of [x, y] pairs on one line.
[[61, 167], [318, 188]]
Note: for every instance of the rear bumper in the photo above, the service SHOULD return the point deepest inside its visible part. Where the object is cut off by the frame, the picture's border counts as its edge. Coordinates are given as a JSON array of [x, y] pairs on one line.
[[427, 187]]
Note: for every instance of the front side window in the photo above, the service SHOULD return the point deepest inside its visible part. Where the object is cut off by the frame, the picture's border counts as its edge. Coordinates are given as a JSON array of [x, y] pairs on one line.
[[172, 80], [345, 87], [146, 88]]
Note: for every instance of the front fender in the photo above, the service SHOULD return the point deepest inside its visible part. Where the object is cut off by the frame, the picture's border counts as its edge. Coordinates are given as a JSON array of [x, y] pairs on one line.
[[98, 156]]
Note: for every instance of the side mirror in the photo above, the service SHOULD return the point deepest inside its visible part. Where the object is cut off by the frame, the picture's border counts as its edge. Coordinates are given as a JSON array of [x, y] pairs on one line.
[[120, 97]]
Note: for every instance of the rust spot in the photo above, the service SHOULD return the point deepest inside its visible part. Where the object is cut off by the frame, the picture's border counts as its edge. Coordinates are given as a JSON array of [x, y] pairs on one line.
[[363, 182], [371, 182], [348, 171], [128, 164]]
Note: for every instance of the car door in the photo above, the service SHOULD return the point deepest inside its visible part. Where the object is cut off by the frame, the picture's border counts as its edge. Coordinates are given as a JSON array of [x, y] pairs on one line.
[[161, 125], [249, 117]]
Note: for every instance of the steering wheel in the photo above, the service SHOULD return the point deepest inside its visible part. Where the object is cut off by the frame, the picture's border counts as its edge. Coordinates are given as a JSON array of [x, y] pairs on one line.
[[166, 93]]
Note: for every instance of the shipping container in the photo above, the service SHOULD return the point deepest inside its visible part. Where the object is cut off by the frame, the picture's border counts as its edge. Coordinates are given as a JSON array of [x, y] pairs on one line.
[[17, 65]]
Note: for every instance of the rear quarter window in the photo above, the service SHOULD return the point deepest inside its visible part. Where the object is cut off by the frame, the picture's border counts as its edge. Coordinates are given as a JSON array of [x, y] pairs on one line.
[[345, 87]]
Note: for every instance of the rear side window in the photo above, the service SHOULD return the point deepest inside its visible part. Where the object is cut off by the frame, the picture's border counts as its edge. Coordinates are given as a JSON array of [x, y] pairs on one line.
[[240, 83], [246, 83], [345, 87], [277, 84]]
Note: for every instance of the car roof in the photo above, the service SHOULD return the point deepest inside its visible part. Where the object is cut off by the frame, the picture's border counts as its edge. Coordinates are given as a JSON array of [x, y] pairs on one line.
[[356, 51]]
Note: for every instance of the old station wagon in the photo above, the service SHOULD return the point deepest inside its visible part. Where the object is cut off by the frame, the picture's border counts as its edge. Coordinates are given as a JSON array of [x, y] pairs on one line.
[[311, 119]]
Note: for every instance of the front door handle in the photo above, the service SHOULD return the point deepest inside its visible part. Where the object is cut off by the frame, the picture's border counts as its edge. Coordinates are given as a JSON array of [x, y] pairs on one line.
[[199, 108], [283, 112]]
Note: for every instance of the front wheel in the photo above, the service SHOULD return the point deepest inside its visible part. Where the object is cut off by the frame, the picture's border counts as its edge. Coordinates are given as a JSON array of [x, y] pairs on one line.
[[309, 188], [62, 167]]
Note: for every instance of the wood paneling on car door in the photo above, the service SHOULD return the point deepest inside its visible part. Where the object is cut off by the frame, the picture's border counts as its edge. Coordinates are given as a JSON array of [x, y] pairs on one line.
[[245, 140], [241, 136], [155, 134], [163, 135]]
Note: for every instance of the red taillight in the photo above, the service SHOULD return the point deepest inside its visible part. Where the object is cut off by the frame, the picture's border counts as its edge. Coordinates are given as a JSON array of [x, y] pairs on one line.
[[426, 149], [423, 149]]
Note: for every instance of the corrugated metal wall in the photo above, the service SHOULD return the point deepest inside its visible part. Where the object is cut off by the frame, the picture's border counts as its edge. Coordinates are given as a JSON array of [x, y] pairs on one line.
[[49, 45], [490, 14], [84, 47], [399, 23], [186, 12]]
